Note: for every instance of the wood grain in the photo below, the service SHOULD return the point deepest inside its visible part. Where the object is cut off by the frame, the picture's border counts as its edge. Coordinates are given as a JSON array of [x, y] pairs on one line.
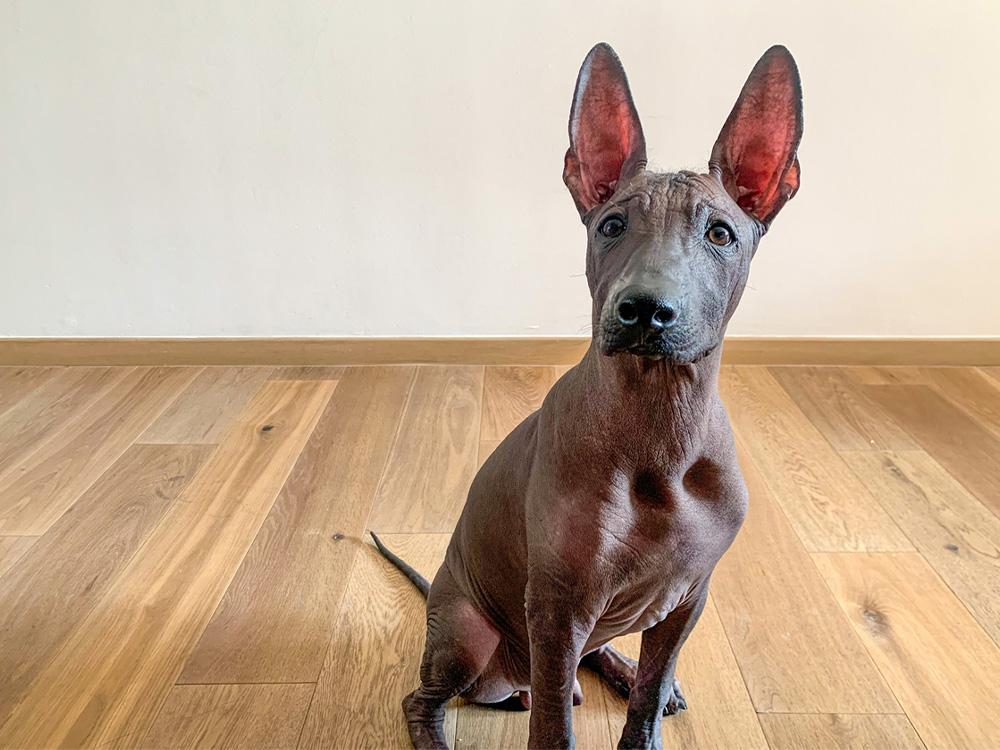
[[954, 439], [276, 620], [230, 717], [954, 532], [971, 390], [12, 548], [435, 455], [885, 375], [17, 382], [509, 395], [913, 626], [769, 595], [39, 489], [107, 682], [51, 407], [824, 501], [838, 408], [206, 408], [60, 580], [713, 686], [840, 732], [374, 657], [307, 372], [243, 577]]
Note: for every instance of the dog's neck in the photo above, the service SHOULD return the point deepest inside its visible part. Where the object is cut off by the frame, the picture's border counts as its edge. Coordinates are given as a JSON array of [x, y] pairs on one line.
[[652, 401]]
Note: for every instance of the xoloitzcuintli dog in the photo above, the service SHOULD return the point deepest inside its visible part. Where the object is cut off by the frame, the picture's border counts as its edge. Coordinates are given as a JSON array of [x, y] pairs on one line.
[[605, 512]]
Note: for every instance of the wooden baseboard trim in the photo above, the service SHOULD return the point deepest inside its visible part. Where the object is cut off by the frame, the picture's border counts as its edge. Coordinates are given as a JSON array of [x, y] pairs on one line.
[[484, 350]]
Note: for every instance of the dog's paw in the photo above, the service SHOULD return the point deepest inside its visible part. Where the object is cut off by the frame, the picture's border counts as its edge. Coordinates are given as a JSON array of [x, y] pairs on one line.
[[676, 702]]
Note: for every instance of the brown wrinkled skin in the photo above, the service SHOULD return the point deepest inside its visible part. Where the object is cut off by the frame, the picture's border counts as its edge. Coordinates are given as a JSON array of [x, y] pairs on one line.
[[605, 512]]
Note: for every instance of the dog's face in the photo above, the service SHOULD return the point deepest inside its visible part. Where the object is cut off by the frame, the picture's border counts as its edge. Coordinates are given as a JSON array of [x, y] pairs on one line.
[[668, 254]]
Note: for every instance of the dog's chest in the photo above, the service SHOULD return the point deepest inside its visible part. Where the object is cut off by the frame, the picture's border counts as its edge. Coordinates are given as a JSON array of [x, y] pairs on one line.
[[658, 545]]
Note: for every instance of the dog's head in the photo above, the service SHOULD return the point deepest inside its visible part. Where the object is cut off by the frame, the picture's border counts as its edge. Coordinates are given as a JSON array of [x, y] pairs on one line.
[[668, 253]]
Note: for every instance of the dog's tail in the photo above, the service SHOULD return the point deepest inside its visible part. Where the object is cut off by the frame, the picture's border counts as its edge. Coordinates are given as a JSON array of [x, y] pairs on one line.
[[418, 580]]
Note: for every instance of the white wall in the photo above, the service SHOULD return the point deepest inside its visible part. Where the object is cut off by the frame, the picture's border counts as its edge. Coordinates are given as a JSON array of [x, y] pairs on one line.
[[202, 168]]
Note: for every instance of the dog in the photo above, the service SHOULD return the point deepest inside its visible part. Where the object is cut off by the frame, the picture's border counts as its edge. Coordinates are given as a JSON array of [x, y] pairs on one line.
[[605, 512]]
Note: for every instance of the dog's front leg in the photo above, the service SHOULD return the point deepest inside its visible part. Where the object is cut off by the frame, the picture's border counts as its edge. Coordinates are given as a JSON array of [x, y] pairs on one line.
[[655, 684], [557, 632]]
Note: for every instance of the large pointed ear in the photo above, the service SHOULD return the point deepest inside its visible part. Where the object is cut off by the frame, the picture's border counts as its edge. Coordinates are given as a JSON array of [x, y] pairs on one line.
[[755, 155], [605, 137]]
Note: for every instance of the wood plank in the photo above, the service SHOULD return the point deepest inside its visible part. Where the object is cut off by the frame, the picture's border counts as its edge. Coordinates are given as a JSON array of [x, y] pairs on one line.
[[487, 350], [12, 548], [954, 532], [941, 665], [713, 686], [374, 657], [276, 620], [954, 439], [70, 568], [39, 489], [230, 717], [840, 410], [509, 395], [883, 375], [826, 504], [435, 455], [53, 406], [110, 678], [17, 382], [993, 372], [840, 732], [796, 651], [207, 407], [307, 372], [971, 390]]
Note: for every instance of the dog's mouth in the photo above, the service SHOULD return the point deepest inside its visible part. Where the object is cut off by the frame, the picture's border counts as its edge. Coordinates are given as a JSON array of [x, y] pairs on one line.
[[653, 354], [675, 349]]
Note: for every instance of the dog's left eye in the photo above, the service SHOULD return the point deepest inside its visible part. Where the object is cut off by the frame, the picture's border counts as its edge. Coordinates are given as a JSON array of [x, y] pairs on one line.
[[719, 234], [613, 226]]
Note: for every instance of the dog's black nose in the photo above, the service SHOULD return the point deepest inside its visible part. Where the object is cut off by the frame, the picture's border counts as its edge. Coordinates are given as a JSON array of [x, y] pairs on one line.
[[640, 307]]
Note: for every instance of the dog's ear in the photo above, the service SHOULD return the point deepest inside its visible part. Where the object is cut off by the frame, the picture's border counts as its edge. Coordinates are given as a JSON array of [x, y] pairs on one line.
[[605, 137], [755, 155]]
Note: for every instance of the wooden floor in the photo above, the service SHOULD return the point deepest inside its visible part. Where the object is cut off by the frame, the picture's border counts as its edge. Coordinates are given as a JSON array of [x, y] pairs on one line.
[[183, 561]]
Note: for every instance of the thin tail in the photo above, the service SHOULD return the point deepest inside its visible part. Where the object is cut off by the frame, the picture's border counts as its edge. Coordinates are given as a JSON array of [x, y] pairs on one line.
[[418, 580]]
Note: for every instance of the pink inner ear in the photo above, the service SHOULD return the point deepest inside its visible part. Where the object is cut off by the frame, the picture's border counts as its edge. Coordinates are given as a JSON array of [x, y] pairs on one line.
[[756, 149], [759, 172], [605, 132], [605, 139]]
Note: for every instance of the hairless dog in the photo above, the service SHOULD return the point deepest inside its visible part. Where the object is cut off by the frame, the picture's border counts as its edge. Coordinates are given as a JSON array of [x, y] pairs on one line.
[[605, 512]]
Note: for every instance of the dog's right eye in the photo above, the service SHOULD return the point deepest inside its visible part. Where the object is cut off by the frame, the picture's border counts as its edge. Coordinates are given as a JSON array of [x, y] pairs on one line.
[[613, 226]]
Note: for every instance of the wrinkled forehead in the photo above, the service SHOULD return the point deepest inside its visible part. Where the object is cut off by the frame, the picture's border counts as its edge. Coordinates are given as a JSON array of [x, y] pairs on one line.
[[662, 197]]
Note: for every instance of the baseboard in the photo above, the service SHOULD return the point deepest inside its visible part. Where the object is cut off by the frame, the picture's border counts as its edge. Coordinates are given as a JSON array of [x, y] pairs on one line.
[[484, 350], [861, 351]]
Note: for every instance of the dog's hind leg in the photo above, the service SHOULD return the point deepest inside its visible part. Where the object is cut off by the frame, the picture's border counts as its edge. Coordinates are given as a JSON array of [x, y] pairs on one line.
[[614, 667], [460, 643], [619, 672]]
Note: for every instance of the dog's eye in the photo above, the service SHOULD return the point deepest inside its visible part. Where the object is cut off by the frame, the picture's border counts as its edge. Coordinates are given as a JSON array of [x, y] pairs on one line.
[[613, 226], [719, 234]]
